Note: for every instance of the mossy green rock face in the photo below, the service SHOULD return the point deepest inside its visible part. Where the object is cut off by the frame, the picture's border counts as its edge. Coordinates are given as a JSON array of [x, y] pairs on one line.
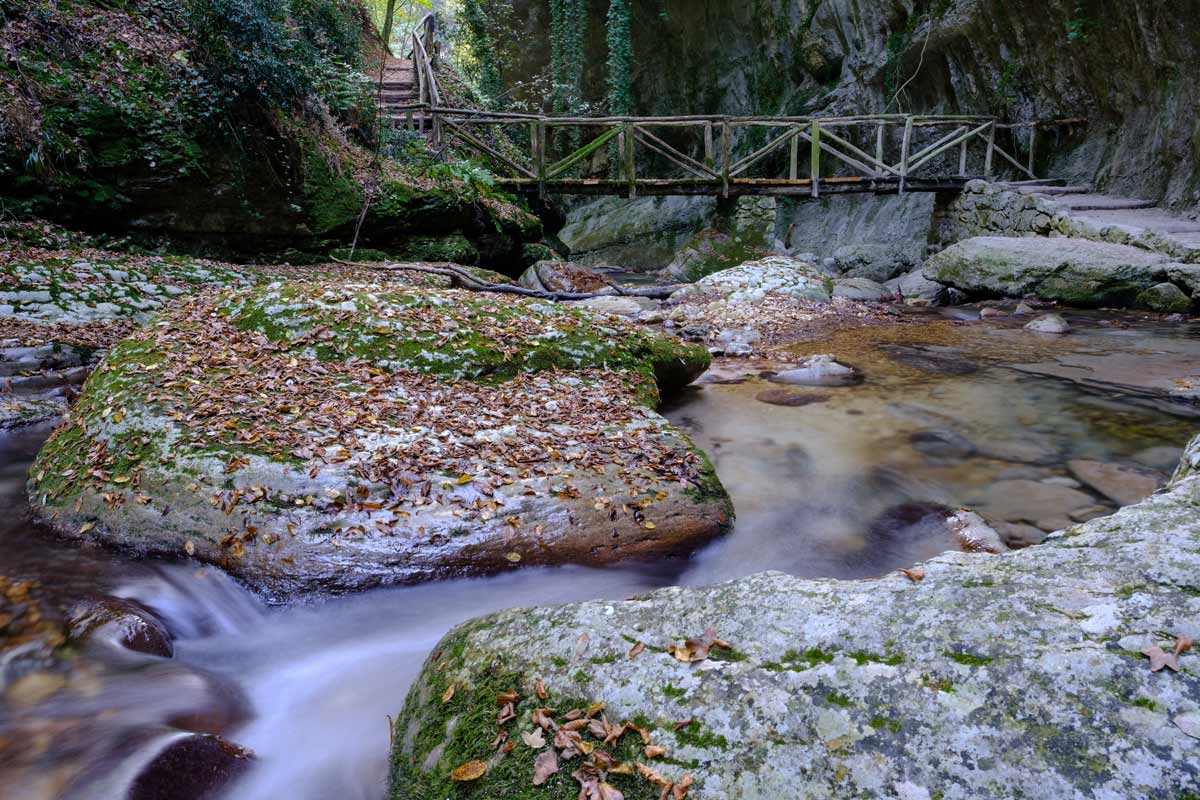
[[315, 436], [1165, 297], [998, 676], [1074, 271]]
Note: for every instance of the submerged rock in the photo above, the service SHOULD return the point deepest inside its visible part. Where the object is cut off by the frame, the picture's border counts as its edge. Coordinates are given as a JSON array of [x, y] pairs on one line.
[[324, 436], [1123, 484], [632, 307], [822, 370], [1075, 271], [1049, 323], [789, 398], [998, 676], [190, 767]]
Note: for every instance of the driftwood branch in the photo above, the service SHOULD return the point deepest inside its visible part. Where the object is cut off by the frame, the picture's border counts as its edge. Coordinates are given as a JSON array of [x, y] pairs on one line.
[[462, 279]]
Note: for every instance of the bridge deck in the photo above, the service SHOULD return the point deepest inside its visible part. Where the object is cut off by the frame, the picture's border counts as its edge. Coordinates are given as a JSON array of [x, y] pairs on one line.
[[738, 187]]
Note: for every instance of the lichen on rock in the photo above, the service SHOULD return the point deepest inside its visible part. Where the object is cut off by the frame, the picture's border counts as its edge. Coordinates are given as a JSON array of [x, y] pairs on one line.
[[998, 676]]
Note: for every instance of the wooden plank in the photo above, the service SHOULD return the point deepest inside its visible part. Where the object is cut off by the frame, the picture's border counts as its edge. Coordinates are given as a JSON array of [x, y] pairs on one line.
[[457, 130], [815, 158], [681, 159], [745, 163], [621, 153], [946, 145], [904, 146], [1032, 145], [630, 161], [867, 158], [991, 147], [1014, 162], [725, 159], [708, 146], [962, 159], [794, 157], [574, 158], [879, 134]]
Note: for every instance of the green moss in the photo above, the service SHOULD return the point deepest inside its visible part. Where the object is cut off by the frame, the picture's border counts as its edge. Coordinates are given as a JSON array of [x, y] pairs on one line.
[[608, 659], [879, 723], [694, 735], [861, 658], [968, 659], [838, 699], [332, 197], [1145, 702], [673, 691]]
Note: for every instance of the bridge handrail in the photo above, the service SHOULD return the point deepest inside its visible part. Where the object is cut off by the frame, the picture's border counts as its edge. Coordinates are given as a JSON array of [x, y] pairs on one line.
[[423, 65]]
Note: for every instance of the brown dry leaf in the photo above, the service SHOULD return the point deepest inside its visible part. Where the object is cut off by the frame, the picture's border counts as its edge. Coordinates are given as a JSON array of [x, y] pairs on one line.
[[545, 765], [1182, 645], [448, 694], [608, 792], [542, 718], [594, 709], [508, 747], [637, 648], [650, 775], [914, 574], [507, 713], [681, 788], [540, 689], [573, 714], [645, 734], [534, 740], [623, 768], [1160, 658], [507, 697], [683, 723], [697, 648], [470, 771], [501, 738], [576, 724], [654, 751], [581, 645]]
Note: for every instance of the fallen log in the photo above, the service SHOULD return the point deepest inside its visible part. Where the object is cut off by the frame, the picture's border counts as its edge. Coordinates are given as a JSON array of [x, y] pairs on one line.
[[461, 279]]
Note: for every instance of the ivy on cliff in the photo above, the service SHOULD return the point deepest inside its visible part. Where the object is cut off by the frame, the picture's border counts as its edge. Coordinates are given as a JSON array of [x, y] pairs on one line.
[[620, 58], [568, 29]]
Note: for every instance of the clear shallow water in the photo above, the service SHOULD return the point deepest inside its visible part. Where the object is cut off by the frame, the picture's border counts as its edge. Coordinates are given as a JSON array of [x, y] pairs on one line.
[[832, 489]]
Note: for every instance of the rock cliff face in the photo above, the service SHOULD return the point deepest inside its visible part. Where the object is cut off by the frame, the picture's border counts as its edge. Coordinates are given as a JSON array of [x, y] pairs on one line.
[[1129, 68]]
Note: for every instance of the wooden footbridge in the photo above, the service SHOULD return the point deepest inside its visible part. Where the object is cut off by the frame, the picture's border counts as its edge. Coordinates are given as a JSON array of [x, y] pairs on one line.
[[721, 155]]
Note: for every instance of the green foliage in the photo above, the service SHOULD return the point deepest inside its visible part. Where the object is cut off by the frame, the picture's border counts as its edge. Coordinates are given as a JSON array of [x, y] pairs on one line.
[[478, 48], [1080, 26], [620, 58], [568, 29]]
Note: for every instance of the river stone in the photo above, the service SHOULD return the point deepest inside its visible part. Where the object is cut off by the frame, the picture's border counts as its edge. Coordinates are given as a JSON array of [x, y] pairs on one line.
[[861, 289], [974, 534], [997, 676], [121, 622], [941, 444], [789, 398], [1124, 484], [749, 283], [1029, 501], [632, 307], [190, 767], [822, 370], [320, 436], [916, 289], [1075, 271], [1049, 323], [563, 276], [1166, 298]]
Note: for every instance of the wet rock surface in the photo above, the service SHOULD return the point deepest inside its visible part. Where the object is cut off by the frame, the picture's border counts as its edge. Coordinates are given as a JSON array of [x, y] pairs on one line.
[[397, 434], [563, 276], [820, 370], [892, 687], [1074, 271], [191, 767]]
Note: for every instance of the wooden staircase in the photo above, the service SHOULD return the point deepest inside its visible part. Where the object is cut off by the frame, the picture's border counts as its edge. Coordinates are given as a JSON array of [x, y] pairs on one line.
[[398, 93]]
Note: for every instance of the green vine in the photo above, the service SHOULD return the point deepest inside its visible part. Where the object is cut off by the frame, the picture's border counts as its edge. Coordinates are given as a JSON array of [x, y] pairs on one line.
[[620, 58], [568, 28], [481, 65]]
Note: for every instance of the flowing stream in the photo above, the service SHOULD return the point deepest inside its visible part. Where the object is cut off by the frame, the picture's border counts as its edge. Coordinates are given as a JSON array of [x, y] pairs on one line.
[[848, 486]]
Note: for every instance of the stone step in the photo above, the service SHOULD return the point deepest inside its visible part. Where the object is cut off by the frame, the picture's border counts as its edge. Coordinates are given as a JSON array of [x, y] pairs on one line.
[[1054, 191], [1110, 204]]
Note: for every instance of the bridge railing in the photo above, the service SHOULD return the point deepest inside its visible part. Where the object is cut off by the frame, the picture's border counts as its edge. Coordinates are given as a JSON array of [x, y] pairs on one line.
[[782, 155]]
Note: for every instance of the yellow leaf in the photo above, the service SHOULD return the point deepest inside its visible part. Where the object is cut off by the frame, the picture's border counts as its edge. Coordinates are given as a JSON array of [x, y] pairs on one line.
[[449, 693], [514, 557], [87, 526], [463, 480], [470, 771], [118, 417], [648, 525]]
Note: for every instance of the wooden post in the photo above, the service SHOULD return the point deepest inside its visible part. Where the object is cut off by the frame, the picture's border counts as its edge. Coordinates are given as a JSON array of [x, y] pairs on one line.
[[537, 133], [815, 159], [621, 154], [962, 160], [1032, 145], [904, 148], [794, 160], [879, 136], [991, 148], [630, 166], [725, 159], [708, 145]]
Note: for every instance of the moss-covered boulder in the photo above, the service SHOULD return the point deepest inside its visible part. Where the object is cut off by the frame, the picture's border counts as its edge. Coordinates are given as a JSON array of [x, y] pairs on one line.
[[328, 436], [1001, 676], [1074, 271]]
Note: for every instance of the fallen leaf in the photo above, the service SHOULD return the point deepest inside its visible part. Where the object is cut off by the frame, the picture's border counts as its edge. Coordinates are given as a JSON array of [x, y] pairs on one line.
[[189, 548], [608, 792], [470, 771], [650, 775], [540, 689], [594, 709], [534, 739], [682, 787], [541, 718], [654, 751], [1160, 658], [514, 557], [449, 693], [1182, 645], [507, 697], [87, 526], [697, 648], [683, 723], [914, 574], [545, 765], [581, 645], [637, 648]]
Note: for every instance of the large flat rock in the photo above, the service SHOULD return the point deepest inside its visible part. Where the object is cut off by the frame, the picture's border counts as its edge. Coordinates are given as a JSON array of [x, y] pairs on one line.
[[1074, 271], [998, 676]]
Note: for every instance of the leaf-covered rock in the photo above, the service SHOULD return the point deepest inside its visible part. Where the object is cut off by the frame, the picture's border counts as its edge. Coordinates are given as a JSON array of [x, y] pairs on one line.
[[329, 436]]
